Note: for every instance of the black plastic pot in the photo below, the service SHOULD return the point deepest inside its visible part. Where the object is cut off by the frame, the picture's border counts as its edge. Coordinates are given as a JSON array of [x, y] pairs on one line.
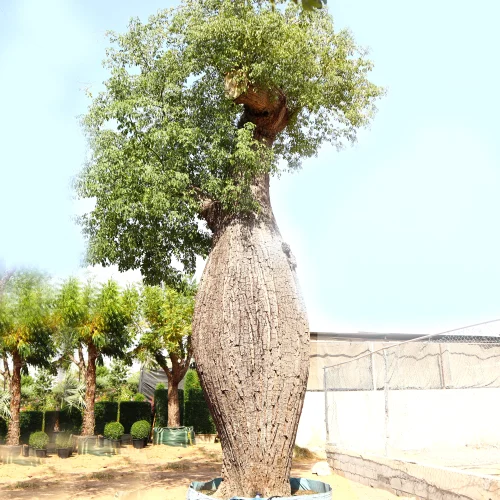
[[63, 452], [41, 453], [138, 443]]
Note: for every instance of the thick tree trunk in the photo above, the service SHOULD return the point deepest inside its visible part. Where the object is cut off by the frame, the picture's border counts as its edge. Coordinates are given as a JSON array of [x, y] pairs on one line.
[[251, 346], [174, 411], [90, 381], [15, 401]]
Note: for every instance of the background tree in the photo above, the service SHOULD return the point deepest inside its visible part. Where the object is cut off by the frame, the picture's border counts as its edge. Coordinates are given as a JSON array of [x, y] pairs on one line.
[[166, 337], [203, 104], [95, 322], [27, 325]]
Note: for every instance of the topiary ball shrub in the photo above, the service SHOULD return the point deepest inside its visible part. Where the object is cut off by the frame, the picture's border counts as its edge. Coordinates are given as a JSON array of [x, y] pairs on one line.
[[140, 429], [63, 440], [39, 440], [113, 430], [139, 397]]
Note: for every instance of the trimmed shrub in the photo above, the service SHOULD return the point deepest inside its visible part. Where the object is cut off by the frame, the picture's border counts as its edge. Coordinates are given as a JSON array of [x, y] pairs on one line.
[[196, 412], [63, 440], [39, 440], [139, 397], [160, 385], [104, 411], [30, 422], [140, 429], [161, 406], [113, 430], [132, 411]]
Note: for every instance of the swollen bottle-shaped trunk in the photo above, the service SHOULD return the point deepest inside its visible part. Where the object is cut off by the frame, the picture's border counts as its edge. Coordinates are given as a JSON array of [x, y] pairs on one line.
[[251, 346]]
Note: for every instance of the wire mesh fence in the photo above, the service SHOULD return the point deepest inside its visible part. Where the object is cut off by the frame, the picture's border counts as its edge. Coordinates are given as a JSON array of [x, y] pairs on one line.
[[438, 392]]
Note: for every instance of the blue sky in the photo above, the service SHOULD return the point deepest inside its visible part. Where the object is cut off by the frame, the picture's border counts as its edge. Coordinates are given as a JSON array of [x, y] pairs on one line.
[[397, 233]]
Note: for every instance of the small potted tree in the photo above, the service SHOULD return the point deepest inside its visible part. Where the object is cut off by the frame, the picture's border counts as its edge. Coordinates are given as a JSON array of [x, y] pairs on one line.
[[140, 431], [39, 441], [63, 445], [113, 431]]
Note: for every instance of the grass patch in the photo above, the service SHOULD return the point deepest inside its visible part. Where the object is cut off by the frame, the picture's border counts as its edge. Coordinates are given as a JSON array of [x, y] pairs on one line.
[[173, 466], [26, 485], [303, 453], [101, 475], [211, 455]]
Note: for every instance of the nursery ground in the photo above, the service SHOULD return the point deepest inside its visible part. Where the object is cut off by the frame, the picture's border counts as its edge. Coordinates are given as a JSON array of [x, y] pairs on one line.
[[157, 472]]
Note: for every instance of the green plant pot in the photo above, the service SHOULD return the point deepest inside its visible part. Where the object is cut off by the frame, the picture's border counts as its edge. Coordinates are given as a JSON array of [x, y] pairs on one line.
[[138, 443], [41, 453]]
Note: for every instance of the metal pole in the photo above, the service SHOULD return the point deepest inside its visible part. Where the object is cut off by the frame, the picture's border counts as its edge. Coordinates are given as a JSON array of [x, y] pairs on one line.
[[326, 406], [386, 403]]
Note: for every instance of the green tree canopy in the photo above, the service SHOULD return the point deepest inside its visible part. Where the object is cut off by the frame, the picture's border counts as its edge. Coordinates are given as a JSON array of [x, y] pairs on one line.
[[27, 320], [98, 320], [172, 142], [27, 327], [166, 336]]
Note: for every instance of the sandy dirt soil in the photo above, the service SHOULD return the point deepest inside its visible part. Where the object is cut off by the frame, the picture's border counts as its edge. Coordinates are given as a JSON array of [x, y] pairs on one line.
[[154, 473]]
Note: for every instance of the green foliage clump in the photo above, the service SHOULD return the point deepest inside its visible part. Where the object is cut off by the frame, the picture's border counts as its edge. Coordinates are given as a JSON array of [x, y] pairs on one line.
[[132, 411], [113, 430], [63, 440], [161, 406], [166, 137], [160, 386], [140, 429], [196, 412], [139, 397], [104, 411], [39, 440]]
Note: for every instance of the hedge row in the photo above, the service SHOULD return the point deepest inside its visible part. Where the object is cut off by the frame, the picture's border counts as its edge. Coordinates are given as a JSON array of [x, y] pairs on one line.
[[196, 412], [161, 407], [29, 421], [133, 411]]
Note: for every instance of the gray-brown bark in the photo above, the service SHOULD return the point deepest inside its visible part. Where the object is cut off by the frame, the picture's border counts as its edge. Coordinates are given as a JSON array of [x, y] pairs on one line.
[[250, 334], [15, 401], [90, 381], [174, 376]]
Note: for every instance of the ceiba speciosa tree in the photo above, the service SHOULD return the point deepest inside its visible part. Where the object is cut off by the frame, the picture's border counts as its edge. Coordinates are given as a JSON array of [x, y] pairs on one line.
[[204, 103]]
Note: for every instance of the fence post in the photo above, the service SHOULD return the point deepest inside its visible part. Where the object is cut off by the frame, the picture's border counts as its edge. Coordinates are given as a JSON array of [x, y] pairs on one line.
[[386, 403], [372, 359], [326, 406]]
